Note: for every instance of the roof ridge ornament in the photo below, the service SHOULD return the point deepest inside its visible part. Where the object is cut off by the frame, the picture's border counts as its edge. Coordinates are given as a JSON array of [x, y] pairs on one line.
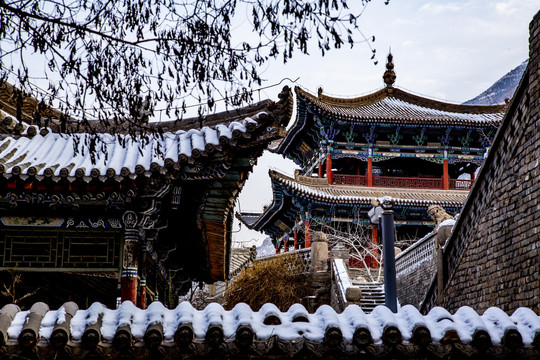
[[389, 76]]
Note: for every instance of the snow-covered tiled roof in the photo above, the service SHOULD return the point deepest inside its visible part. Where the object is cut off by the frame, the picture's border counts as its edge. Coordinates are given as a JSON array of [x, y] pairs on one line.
[[240, 258], [396, 110], [362, 194], [53, 152], [399, 106], [287, 327]]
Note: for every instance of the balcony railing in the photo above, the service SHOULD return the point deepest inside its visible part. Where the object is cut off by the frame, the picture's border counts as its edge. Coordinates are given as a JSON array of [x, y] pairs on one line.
[[456, 184], [402, 182], [358, 180]]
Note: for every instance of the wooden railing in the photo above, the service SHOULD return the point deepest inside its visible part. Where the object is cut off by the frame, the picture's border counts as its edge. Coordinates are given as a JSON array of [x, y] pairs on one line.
[[456, 184], [358, 180], [402, 182], [369, 261], [407, 182]]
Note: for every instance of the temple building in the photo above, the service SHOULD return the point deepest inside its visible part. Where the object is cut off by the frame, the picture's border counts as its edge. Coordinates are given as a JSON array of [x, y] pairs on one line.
[[351, 151], [136, 217]]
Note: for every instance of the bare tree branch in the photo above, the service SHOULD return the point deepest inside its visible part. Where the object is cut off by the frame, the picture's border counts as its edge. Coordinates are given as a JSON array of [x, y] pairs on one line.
[[111, 54]]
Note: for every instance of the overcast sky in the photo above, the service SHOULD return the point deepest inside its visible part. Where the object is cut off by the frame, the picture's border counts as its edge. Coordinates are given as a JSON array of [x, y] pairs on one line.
[[450, 50]]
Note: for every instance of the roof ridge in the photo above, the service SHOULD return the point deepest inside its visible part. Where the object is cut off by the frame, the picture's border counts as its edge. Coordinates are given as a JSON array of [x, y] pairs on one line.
[[56, 121], [398, 94], [366, 99]]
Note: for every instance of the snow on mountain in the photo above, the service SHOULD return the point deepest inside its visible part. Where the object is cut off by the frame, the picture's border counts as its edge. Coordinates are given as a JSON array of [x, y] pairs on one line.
[[503, 88]]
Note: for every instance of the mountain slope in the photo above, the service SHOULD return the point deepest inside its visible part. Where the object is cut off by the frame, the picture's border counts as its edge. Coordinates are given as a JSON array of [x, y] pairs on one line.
[[502, 89]]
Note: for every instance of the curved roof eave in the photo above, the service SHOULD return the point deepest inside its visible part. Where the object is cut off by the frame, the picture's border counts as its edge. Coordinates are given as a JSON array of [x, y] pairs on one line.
[[346, 194], [390, 105]]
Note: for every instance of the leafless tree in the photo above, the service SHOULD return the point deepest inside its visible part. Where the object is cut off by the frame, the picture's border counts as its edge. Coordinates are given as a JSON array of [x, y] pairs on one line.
[[11, 287], [357, 237], [122, 61]]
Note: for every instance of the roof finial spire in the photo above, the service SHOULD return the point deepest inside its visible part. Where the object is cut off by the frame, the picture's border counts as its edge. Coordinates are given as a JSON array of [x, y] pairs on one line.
[[389, 76]]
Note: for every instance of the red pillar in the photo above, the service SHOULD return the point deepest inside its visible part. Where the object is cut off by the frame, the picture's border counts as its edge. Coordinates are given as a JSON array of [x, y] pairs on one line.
[[369, 174], [130, 260], [286, 244], [320, 169], [307, 239], [129, 285], [446, 179], [277, 247], [375, 252], [142, 294], [295, 239], [329, 173]]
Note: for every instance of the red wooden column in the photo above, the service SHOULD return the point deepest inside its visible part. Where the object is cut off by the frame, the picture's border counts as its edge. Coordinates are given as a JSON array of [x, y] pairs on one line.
[[329, 173], [128, 282], [320, 169], [142, 294], [375, 250], [446, 179], [295, 239], [369, 173], [277, 247], [307, 238], [286, 244], [129, 285]]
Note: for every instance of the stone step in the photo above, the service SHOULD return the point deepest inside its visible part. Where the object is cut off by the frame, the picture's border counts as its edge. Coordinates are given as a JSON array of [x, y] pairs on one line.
[[372, 296], [372, 291]]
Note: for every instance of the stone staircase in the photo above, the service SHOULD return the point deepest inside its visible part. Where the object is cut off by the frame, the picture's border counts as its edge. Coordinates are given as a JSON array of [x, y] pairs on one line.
[[372, 295]]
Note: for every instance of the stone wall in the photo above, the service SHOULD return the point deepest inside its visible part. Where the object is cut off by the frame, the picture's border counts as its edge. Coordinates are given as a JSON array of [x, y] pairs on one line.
[[415, 268], [492, 257]]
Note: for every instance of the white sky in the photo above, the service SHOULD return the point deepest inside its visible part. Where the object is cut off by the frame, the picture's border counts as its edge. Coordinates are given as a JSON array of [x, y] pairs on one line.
[[451, 50]]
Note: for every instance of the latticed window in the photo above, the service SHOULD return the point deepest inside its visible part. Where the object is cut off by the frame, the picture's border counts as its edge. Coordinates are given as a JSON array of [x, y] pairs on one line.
[[40, 248]]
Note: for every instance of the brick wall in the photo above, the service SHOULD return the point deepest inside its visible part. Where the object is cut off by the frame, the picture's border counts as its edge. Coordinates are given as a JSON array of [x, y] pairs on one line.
[[415, 268], [492, 257], [412, 287]]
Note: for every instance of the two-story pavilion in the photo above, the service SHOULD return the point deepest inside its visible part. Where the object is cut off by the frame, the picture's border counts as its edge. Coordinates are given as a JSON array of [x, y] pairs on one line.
[[391, 142]]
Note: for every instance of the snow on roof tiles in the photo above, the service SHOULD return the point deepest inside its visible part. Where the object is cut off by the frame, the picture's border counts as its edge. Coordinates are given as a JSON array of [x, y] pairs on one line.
[[466, 322], [398, 106], [359, 194], [57, 151], [397, 110]]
